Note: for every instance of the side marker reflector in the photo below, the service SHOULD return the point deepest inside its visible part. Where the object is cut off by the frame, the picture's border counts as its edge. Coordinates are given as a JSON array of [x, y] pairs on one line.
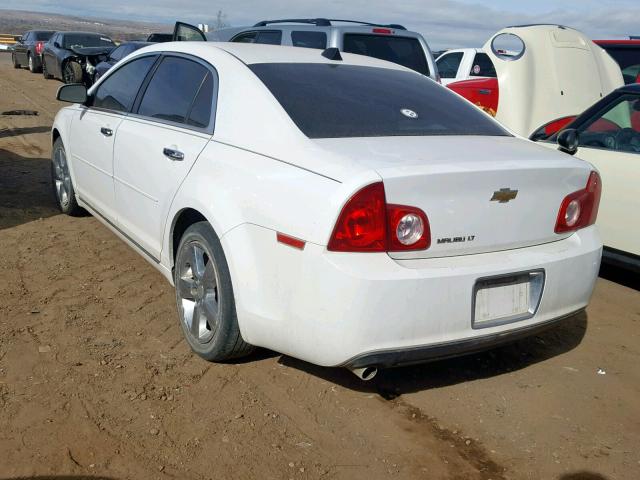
[[291, 241]]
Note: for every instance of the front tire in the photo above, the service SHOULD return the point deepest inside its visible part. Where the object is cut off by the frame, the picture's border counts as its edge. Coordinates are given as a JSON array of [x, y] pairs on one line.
[[204, 296], [63, 190], [72, 72], [45, 73]]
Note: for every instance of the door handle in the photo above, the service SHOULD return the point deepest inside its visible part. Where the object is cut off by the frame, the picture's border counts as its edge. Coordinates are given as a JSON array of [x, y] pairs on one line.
[[107, 132], [484, 91], [173, 154]]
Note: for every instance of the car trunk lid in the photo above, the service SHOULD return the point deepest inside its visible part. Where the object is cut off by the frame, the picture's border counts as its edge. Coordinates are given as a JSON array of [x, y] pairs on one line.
[[481, 194]]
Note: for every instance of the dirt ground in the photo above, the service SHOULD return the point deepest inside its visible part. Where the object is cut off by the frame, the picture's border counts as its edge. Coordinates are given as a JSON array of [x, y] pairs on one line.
[[97, 382]]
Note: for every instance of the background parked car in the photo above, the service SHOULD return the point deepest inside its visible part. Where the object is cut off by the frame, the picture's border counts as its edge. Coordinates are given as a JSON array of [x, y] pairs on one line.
[[28, 49], [464, 64], [116, 55], [608, 136], [545, 76], [66, 54], [627, 54], [392, 42]]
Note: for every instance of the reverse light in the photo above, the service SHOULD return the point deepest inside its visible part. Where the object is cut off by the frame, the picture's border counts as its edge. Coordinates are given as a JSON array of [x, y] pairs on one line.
[[580, 209], [368, 224]]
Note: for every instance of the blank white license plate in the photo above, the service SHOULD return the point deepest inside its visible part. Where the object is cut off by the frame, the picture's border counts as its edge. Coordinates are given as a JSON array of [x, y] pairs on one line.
[[502, 300]]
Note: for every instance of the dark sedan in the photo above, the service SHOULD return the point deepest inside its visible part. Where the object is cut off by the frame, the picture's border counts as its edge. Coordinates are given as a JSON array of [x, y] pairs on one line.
[[67, 54], [29, 49], [116, 55]]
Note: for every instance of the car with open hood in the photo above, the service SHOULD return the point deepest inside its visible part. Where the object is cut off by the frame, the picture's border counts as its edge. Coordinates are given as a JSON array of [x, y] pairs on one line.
[[545, 76]]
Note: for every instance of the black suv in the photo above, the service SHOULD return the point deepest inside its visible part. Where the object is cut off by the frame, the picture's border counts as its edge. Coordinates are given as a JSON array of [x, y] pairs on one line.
[[29, 49]]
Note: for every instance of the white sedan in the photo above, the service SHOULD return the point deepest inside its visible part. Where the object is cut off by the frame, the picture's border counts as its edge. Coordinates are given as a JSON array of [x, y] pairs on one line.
[[333, 207]]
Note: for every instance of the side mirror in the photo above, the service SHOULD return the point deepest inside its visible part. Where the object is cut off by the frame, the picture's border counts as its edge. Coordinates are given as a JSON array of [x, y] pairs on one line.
[[72, 93], [56, 44], [568, 141]]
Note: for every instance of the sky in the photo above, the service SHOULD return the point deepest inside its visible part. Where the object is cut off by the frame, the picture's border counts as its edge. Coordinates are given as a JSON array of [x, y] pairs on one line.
[[444, 23]]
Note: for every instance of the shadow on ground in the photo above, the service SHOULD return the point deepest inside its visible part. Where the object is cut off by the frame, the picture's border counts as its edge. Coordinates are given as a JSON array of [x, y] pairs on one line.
[[391, 383], [25, 189], [619, 275], [582, 476], [16, 132], [62, 477]]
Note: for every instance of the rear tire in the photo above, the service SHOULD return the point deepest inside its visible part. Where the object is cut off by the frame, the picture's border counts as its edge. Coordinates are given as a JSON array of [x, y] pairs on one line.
[[72, 72], [14, 60], [63, 190], [204, 294], [32, 64]]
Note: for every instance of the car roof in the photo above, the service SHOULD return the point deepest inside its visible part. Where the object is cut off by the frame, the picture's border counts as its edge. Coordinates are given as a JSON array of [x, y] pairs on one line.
[[618, 42], [83, 33], [251, 53]]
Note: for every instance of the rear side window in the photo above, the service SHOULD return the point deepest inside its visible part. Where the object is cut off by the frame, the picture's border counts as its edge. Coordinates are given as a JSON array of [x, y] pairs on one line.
[[333, 101], [172, 90], [448, 64], [201, 110], [309, 39], [402, 50], [267, 37], [482, 66], [119, 90]]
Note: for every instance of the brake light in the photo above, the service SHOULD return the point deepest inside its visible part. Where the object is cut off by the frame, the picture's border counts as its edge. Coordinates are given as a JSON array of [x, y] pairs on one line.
[[39, 47], [580, 209], [383, 31], [368, 224]]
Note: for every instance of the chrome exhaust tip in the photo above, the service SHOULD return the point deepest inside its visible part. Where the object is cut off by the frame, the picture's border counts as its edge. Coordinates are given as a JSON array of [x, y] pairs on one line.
[[365, 373]]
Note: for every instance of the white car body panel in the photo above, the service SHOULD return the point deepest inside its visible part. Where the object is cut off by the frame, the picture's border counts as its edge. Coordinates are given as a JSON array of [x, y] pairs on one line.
[[619, 206], [259, 175], [561, 73]]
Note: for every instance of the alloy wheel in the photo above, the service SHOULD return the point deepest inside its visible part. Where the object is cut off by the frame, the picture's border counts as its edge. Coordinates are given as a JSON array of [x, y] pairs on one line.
[[197, 289], [61, 177]]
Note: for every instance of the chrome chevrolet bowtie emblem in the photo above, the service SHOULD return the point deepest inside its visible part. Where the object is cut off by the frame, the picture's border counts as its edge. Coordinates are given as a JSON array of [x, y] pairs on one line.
[[504, 195]]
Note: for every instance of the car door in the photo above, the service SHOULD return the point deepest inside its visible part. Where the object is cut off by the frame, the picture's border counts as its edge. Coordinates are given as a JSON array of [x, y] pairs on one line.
[[51, 55], [183, 32], [93, 130], [157, 145], [611, 142]]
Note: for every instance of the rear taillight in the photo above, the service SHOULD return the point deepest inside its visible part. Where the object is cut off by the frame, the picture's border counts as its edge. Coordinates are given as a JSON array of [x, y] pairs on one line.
[[580, 209], [39, 47], [368, 224]]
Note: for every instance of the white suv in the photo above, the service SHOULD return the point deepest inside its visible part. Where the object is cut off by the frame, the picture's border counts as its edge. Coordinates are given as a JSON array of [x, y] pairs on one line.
[[392, 42]]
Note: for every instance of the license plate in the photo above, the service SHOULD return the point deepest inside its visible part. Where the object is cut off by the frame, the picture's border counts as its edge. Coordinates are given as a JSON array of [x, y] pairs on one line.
[[505, 299]]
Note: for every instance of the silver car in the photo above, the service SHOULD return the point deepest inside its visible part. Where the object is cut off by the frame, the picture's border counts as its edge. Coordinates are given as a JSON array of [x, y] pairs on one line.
[[391, 42]]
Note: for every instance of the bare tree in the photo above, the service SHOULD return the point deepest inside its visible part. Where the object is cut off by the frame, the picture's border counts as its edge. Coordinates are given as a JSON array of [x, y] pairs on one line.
[[221, 21]]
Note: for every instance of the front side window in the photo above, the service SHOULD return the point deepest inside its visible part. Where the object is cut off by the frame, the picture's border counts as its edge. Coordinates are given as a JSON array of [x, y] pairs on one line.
[[483, 66], [405, 51], [171, 92], [448, 64], [617, 128], [336, 101], [309, 39], [118, 91], [118, 53]]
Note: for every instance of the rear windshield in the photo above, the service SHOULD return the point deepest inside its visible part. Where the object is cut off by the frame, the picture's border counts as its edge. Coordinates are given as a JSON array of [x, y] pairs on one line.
[[86, 40], [405, 51], [43, 36], [336, 101]]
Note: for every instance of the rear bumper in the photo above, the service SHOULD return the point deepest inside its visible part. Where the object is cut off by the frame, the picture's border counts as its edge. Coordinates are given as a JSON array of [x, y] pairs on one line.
[[336, 309], [441, 351]]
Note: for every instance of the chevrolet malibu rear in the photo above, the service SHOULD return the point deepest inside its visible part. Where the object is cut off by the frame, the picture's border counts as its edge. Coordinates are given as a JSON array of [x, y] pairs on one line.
[[350, 212]]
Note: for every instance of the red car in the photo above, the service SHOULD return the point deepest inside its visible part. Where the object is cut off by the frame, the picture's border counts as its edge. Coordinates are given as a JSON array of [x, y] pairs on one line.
[[627, 54]]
